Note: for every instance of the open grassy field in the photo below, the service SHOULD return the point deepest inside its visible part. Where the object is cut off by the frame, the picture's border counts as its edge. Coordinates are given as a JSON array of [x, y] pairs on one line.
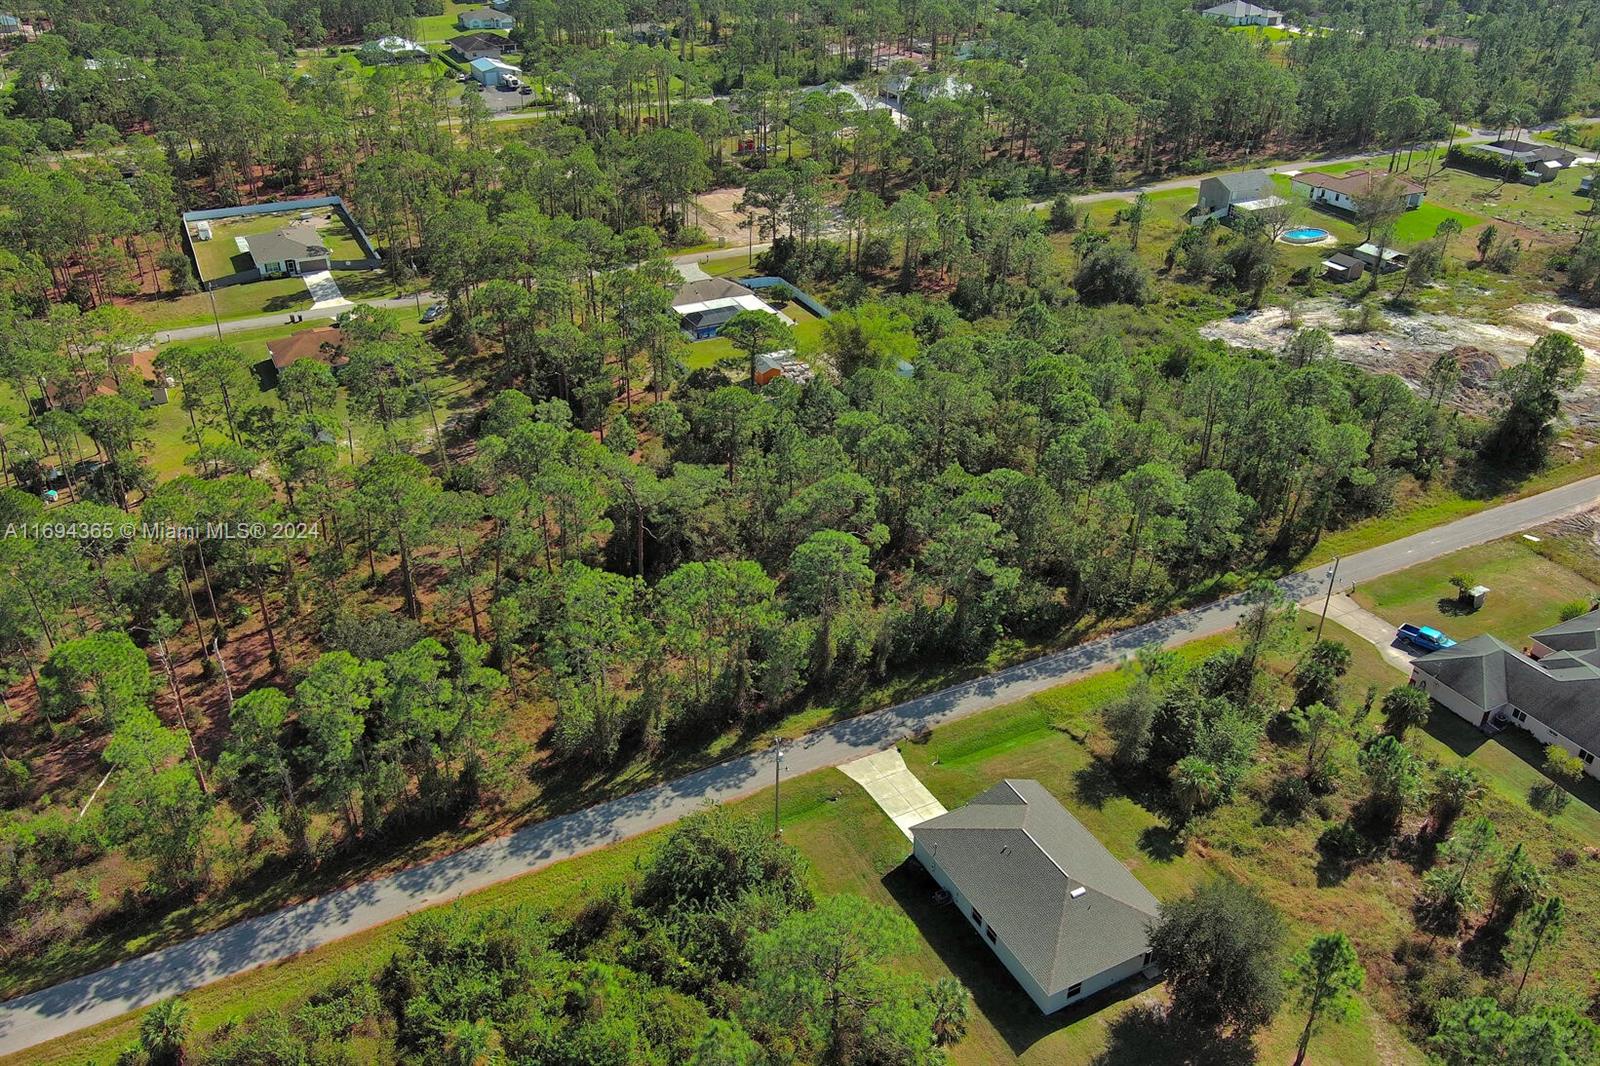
[[1553, 207], [270, 296], [1054, 738], [1527, 591]]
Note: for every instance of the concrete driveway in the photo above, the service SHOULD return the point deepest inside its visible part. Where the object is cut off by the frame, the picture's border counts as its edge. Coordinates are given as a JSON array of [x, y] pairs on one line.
[[1368, 626], [892, 786], [324, 290]]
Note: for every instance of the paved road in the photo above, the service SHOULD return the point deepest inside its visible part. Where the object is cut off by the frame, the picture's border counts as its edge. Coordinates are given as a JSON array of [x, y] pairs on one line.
[[310, 314], [97, 997]]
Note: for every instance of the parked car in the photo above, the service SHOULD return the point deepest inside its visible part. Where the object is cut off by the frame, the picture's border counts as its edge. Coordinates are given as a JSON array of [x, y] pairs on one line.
[[526, 90], [433, 313], [1424, 637]]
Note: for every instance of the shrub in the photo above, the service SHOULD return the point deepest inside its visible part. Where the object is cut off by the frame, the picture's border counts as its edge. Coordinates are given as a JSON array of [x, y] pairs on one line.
[[1290, 796], [1342, 843], [1573, 608], [1063, 214], [1363, 317], [1486, 163], [1548, 798], [1112, 274]]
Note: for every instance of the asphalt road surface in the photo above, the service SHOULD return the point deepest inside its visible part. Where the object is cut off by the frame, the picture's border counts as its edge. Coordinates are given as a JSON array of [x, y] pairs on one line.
[[97, 997]]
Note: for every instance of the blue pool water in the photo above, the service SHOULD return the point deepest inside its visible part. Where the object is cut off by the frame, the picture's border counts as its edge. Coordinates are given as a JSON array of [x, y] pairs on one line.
[[1306, 235]]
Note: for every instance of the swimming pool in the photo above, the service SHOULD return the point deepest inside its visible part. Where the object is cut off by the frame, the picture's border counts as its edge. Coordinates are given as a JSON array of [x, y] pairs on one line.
[[1306, 235]]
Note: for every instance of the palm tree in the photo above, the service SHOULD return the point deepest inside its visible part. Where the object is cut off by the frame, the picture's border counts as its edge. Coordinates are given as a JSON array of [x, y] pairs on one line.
[[162, 1031], [1195, 784]]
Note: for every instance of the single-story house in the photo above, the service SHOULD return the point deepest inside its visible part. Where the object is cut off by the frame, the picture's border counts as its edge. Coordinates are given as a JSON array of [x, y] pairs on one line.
[[470, 46], [296, 249], [782, 364], [1393, 258], [485, 18], [1239, 13], [897, 87], [393, 50], [491, 72], [1342, 267], [1552, 689], [1540, 162], [325, 344], [706, 306], [1242, 192], [1342, 191], [1058, 909], [10, 25]]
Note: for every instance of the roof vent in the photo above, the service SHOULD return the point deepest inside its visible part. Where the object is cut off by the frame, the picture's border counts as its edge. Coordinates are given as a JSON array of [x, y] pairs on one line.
[[1080, 890]]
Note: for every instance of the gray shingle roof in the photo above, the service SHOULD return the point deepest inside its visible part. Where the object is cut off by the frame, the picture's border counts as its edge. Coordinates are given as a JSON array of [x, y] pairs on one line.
[[708, 289], [1238, 9], [1246, 184], [479, 41], [1562, 690], [1575, 634], [291, 242], [1059, 901]]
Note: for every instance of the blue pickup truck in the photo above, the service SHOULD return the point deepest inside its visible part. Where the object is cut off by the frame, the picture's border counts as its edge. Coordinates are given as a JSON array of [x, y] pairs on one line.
[[1424, 637]]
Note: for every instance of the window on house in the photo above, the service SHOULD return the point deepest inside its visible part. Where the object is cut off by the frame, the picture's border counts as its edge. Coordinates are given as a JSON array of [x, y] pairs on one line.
[[1074, 990], [977, 919], [1148, 956], [1518, 715], [992, 938], [1585, 756]]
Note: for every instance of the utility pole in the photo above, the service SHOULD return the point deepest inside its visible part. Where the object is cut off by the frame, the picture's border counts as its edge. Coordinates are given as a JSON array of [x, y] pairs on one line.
[[216, 318], [1333, 571], [777, 785]]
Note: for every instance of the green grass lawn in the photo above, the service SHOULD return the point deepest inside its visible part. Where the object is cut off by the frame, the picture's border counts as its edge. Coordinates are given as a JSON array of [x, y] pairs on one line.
[[433, 29], [736, 266], [1424, 222], [271, 296], [1553, 207], [1527, 591], [1266, 33]]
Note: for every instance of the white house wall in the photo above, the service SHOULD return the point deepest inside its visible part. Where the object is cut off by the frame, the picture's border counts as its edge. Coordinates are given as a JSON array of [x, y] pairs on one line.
[[1449, 698], [1045, 1003], [1546, 735]]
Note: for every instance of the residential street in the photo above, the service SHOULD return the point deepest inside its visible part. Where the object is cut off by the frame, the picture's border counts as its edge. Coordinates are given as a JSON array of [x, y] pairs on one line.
[[281, 318], [97, 997]]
